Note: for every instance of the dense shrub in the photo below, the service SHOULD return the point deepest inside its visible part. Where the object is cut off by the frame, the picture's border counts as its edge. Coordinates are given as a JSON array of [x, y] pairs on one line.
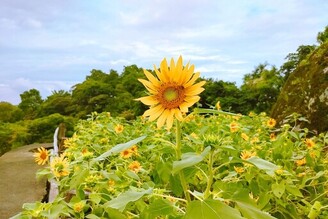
[[42, 129]]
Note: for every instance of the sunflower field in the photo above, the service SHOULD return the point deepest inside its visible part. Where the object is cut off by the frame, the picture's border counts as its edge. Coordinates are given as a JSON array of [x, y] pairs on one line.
[[205, 164]]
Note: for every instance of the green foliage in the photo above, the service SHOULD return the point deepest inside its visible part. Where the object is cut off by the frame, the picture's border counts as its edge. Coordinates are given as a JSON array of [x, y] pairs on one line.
[[13, 135], [30, 103], [323, 36], [42, 129], [294, 59], [253, 171], [58, 102], [10, 113], [261, 88], [229, 95]]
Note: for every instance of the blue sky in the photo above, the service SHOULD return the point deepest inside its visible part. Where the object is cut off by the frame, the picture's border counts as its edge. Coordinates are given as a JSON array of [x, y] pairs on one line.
[[52, 45]]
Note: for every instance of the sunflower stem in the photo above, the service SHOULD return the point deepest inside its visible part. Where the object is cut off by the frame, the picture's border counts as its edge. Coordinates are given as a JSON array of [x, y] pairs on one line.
[[183, 182], [210, 177]]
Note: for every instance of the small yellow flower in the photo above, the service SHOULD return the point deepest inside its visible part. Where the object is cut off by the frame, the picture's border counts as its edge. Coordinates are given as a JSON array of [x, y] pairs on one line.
[[255, 140], [301, 174], [135, 166], [300, 162], [244, 136], [234, 127], [247, 154], [279, 171], [271, 123], [194, 135], [59, 166], [272, 136], [313, 154], [78, 207], [111, 183], [309, 143], [239, 169], [119, 128], [134, 149], [126, 153], [104, 140], [42, 156], [218, 106]]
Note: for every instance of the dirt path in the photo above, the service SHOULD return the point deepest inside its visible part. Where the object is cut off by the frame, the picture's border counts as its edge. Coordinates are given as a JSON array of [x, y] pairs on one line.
[[18, 183]]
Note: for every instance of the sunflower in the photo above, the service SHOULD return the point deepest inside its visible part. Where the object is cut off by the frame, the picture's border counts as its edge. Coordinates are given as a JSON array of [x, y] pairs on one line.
[[42, 156], [172, 92], [59, 166]]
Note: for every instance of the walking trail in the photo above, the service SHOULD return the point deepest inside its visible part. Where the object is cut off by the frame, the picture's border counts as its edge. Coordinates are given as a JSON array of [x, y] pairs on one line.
[[18, 183]]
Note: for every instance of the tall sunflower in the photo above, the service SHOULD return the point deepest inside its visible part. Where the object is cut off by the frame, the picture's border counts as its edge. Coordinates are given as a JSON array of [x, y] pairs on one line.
[[172, 91]]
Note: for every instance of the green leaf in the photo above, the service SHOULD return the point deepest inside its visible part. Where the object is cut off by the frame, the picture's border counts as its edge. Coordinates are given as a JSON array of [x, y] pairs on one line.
[[92, 216], [201, 110], [210, 209], [160, 207], [294, 190], [250, 211], [78, 178], [265, 165], [278, 189], [123, 199], [189, 159], [315, 210], [118, 148], [115, 214], [132, 174]]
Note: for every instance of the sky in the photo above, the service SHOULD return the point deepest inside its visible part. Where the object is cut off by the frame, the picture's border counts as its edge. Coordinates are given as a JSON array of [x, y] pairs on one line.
[[53, 45]]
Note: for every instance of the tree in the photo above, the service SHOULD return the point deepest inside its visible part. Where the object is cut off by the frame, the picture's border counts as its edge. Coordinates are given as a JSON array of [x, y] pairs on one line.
[[30, 103], [294, 59], [226, 92], [10, 113], [58, 102], [322, 36], [261, 88]]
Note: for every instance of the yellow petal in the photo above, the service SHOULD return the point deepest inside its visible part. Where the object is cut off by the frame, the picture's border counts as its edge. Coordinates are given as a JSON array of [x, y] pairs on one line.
[[152, 110], [192, 99], [152, 78], [183, 107], [149, 100], [195, 89], [149, 86], [172, 65], [156, 114], [184, 74], [169, 121], [192, 80], [178, 114], [161, 120], [165, 70]]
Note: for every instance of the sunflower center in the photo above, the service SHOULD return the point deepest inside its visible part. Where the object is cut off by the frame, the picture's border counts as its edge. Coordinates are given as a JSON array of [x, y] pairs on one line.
[[43, 155], [171, 95]]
